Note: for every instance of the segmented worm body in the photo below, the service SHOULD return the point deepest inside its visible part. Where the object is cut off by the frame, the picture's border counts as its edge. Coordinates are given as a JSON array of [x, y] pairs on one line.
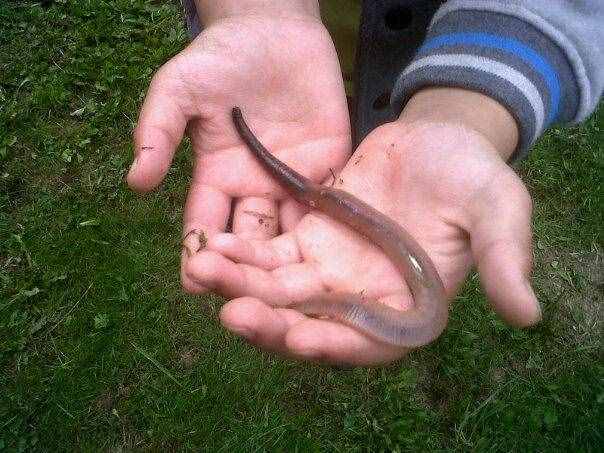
[[417, 326]]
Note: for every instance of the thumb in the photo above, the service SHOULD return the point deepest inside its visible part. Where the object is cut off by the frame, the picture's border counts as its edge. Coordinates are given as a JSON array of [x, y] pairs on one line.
[[500, 236], [161, 125]]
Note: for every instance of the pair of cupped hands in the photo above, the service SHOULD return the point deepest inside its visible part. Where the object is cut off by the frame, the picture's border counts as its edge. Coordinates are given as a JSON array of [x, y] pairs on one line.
[[440, 171]]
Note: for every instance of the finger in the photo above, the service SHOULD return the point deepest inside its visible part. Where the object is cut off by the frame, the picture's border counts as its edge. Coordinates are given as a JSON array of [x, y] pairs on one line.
[[267, 255], [160, 129], [290, 214], [290, 333], [259, 323], [187, 283], [330, 342], [206, 213], [500, 237], [279, 287], [255, 218]]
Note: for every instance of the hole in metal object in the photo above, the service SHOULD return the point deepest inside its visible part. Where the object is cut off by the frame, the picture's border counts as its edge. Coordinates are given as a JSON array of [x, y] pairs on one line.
[[382, 101], [398, 18]]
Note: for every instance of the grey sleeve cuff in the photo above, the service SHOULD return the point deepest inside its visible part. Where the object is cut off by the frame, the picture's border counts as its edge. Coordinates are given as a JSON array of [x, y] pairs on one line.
[[495, 52]]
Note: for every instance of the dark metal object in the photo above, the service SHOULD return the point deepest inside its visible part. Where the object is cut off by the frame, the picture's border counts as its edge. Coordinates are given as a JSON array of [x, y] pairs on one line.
[[389, 34]]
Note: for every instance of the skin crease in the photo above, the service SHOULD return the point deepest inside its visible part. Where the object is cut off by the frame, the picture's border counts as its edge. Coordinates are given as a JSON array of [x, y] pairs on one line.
[[419, 325], [439, 171]]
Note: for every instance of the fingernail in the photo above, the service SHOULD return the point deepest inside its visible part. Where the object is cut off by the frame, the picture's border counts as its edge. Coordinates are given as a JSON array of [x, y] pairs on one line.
[[309, 353], [243, 332]]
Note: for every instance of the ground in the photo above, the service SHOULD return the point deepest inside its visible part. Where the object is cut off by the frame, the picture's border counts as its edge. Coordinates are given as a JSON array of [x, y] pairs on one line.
[[100, 349]]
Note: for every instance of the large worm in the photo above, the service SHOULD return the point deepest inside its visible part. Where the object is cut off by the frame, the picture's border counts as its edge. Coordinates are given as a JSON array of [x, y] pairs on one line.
[[414, 327]]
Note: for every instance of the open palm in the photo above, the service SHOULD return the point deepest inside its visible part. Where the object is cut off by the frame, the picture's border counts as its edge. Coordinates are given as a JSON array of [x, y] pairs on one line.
[[443, 183], [284, 73]]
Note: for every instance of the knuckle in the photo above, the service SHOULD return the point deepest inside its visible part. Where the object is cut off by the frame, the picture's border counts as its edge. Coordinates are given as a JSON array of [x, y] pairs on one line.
[[188, 287]]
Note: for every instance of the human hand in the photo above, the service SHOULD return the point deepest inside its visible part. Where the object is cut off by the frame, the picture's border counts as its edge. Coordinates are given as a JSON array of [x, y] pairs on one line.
[[445, 181], [277, 62]]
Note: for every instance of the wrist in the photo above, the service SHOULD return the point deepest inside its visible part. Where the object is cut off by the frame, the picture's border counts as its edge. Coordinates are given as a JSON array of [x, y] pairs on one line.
[[470, 109], [210, 11]]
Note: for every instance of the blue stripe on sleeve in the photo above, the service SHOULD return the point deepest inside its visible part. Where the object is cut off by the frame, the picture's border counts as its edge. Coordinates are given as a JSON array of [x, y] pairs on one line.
[[522, 51]]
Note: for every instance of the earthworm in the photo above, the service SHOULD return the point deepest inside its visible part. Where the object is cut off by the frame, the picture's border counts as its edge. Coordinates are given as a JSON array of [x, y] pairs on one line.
[[414, 327]]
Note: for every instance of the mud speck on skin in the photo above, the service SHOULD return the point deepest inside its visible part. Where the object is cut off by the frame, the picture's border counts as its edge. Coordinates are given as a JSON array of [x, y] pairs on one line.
[[194, 241], [259, 215], [389, 151], [263, 219]]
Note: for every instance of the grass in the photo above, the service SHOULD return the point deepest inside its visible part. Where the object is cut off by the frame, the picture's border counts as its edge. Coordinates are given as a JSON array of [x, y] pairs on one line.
[[99, 348]]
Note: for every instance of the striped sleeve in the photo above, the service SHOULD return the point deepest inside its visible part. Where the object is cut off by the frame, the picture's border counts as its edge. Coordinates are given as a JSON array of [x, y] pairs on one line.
[[509, 53]]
